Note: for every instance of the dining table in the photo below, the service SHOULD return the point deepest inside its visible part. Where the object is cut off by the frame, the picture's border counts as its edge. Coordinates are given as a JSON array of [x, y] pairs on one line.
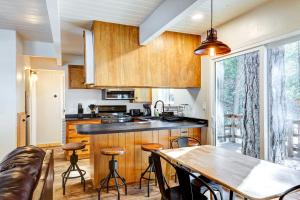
[[249, 177]]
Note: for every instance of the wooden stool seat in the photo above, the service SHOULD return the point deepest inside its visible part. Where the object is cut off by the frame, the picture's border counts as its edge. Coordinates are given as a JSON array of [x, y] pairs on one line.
[[73, 146], [112, 151], [152, 147]]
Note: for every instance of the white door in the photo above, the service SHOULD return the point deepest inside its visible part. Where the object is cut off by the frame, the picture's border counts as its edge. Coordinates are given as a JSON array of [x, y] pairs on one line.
[[49, 106]]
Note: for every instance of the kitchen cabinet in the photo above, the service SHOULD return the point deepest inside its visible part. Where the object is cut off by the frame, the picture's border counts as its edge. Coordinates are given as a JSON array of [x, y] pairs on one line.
[[167, 61], [72, 136], [76, 77], [143, 95]]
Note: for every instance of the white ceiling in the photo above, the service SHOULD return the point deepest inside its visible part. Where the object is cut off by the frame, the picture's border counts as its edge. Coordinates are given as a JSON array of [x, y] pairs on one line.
[[31, 19], [79, 14], [28, 18], [224, 11]]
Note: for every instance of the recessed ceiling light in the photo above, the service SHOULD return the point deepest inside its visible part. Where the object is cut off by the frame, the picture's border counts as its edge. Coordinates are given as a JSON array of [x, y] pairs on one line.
[[197, 16]]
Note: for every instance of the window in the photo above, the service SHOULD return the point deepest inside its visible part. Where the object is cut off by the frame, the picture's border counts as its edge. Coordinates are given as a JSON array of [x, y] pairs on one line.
[[284, 104], [237, 104]]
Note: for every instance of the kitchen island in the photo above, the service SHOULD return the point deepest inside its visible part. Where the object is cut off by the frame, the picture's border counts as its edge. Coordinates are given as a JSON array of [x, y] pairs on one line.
[[130, 136]]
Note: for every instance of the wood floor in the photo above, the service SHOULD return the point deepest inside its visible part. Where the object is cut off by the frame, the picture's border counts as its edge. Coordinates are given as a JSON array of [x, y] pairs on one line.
[[74, 190]]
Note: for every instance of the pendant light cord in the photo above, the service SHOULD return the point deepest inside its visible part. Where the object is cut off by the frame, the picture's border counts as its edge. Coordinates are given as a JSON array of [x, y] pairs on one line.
[[211, 14]]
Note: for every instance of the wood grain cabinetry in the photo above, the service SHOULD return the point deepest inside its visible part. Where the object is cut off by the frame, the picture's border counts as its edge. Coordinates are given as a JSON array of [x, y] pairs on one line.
[[134, 161], [72, 136], [167, 61], [76, 77], [142, 95]]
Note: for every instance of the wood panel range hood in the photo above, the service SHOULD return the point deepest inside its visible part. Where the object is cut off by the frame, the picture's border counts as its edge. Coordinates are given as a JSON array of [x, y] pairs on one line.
[[166, 62]]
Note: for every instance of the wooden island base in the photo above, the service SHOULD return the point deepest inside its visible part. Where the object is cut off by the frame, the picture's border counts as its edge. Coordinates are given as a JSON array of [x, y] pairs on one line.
[[134, 161]]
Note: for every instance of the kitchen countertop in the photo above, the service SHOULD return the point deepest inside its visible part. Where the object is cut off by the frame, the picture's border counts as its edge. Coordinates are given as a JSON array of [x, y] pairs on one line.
[[91, 129]]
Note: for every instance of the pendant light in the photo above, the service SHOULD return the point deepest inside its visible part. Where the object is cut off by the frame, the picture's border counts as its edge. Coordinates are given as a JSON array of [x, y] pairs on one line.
[[211, 46]]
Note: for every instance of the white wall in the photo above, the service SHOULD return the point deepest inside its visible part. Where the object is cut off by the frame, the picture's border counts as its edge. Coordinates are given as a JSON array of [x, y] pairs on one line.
[[86, 96], [20, 76], [270, 20], [193, 97], [11, 87]]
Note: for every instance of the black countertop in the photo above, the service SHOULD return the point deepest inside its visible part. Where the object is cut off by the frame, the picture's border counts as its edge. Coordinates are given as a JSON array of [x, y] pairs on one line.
[[91, 129]]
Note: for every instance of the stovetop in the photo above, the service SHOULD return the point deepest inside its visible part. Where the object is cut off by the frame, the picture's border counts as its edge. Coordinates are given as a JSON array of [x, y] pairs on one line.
[[108, 118]]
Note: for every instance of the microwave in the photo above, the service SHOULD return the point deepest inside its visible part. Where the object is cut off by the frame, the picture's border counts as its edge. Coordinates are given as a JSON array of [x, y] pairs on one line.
[[118, 94]]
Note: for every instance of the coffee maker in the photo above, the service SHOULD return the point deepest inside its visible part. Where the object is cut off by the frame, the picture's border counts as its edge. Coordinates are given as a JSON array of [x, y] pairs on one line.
[[147, 109], [80, 111], [93, 108]]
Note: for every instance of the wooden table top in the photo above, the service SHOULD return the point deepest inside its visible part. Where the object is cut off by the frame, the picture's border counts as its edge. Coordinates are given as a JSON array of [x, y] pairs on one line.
[[250, 177]]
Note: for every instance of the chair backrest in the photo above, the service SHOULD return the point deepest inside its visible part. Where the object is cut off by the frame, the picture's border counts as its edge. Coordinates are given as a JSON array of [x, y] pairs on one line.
[[293, 189], [197, 195], [183, 141], [185, 184], [186, 189], [159, 175]]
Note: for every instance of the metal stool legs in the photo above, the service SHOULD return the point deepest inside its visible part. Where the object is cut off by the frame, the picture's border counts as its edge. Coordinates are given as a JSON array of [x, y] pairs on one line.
[[150, 169], [113, 174], [73, 167]]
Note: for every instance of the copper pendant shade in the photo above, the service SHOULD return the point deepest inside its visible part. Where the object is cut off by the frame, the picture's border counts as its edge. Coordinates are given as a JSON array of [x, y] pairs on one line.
[[211, 46]]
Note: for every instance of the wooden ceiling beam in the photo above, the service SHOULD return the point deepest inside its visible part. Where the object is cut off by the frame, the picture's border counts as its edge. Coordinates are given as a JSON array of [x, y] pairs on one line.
[[163, 17]]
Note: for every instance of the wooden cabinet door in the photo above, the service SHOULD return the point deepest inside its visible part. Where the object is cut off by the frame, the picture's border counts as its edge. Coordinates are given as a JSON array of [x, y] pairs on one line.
[[142, 95], [167, 61], [21, 129], [76, 77]]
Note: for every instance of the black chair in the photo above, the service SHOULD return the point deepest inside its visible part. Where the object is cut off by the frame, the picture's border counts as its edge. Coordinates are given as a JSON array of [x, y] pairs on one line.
[[185, 190], [293, 189], [186, 141]]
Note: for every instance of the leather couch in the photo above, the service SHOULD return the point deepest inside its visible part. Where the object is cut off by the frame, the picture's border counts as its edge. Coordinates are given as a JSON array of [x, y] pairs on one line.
[[27, 173]]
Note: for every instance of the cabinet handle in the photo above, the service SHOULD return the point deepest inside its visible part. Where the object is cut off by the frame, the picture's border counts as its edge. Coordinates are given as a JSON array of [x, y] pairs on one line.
[[84, 141], [84, 150]]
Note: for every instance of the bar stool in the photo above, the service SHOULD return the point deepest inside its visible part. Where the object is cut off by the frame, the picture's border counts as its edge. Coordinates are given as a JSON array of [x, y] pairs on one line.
[[151, 168], [113, 170], [73, 166]]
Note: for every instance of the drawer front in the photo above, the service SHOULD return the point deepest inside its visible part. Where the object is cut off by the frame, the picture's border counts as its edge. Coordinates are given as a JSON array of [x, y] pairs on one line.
[[72, 133], [95, 121], [85, 140]]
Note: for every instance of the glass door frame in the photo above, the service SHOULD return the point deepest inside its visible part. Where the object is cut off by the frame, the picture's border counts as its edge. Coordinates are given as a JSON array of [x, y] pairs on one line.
[[263, 108]]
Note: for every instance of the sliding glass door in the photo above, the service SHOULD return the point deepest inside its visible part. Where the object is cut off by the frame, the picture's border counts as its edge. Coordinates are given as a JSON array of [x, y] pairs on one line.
[[284, 104], [237, 104]]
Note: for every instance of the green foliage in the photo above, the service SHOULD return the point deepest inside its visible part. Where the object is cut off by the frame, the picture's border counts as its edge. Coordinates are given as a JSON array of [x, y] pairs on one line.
[[292, 70], [230, 76]]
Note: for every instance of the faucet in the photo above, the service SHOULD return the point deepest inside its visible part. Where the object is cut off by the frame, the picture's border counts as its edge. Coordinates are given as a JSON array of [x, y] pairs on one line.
[[163, 105]]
